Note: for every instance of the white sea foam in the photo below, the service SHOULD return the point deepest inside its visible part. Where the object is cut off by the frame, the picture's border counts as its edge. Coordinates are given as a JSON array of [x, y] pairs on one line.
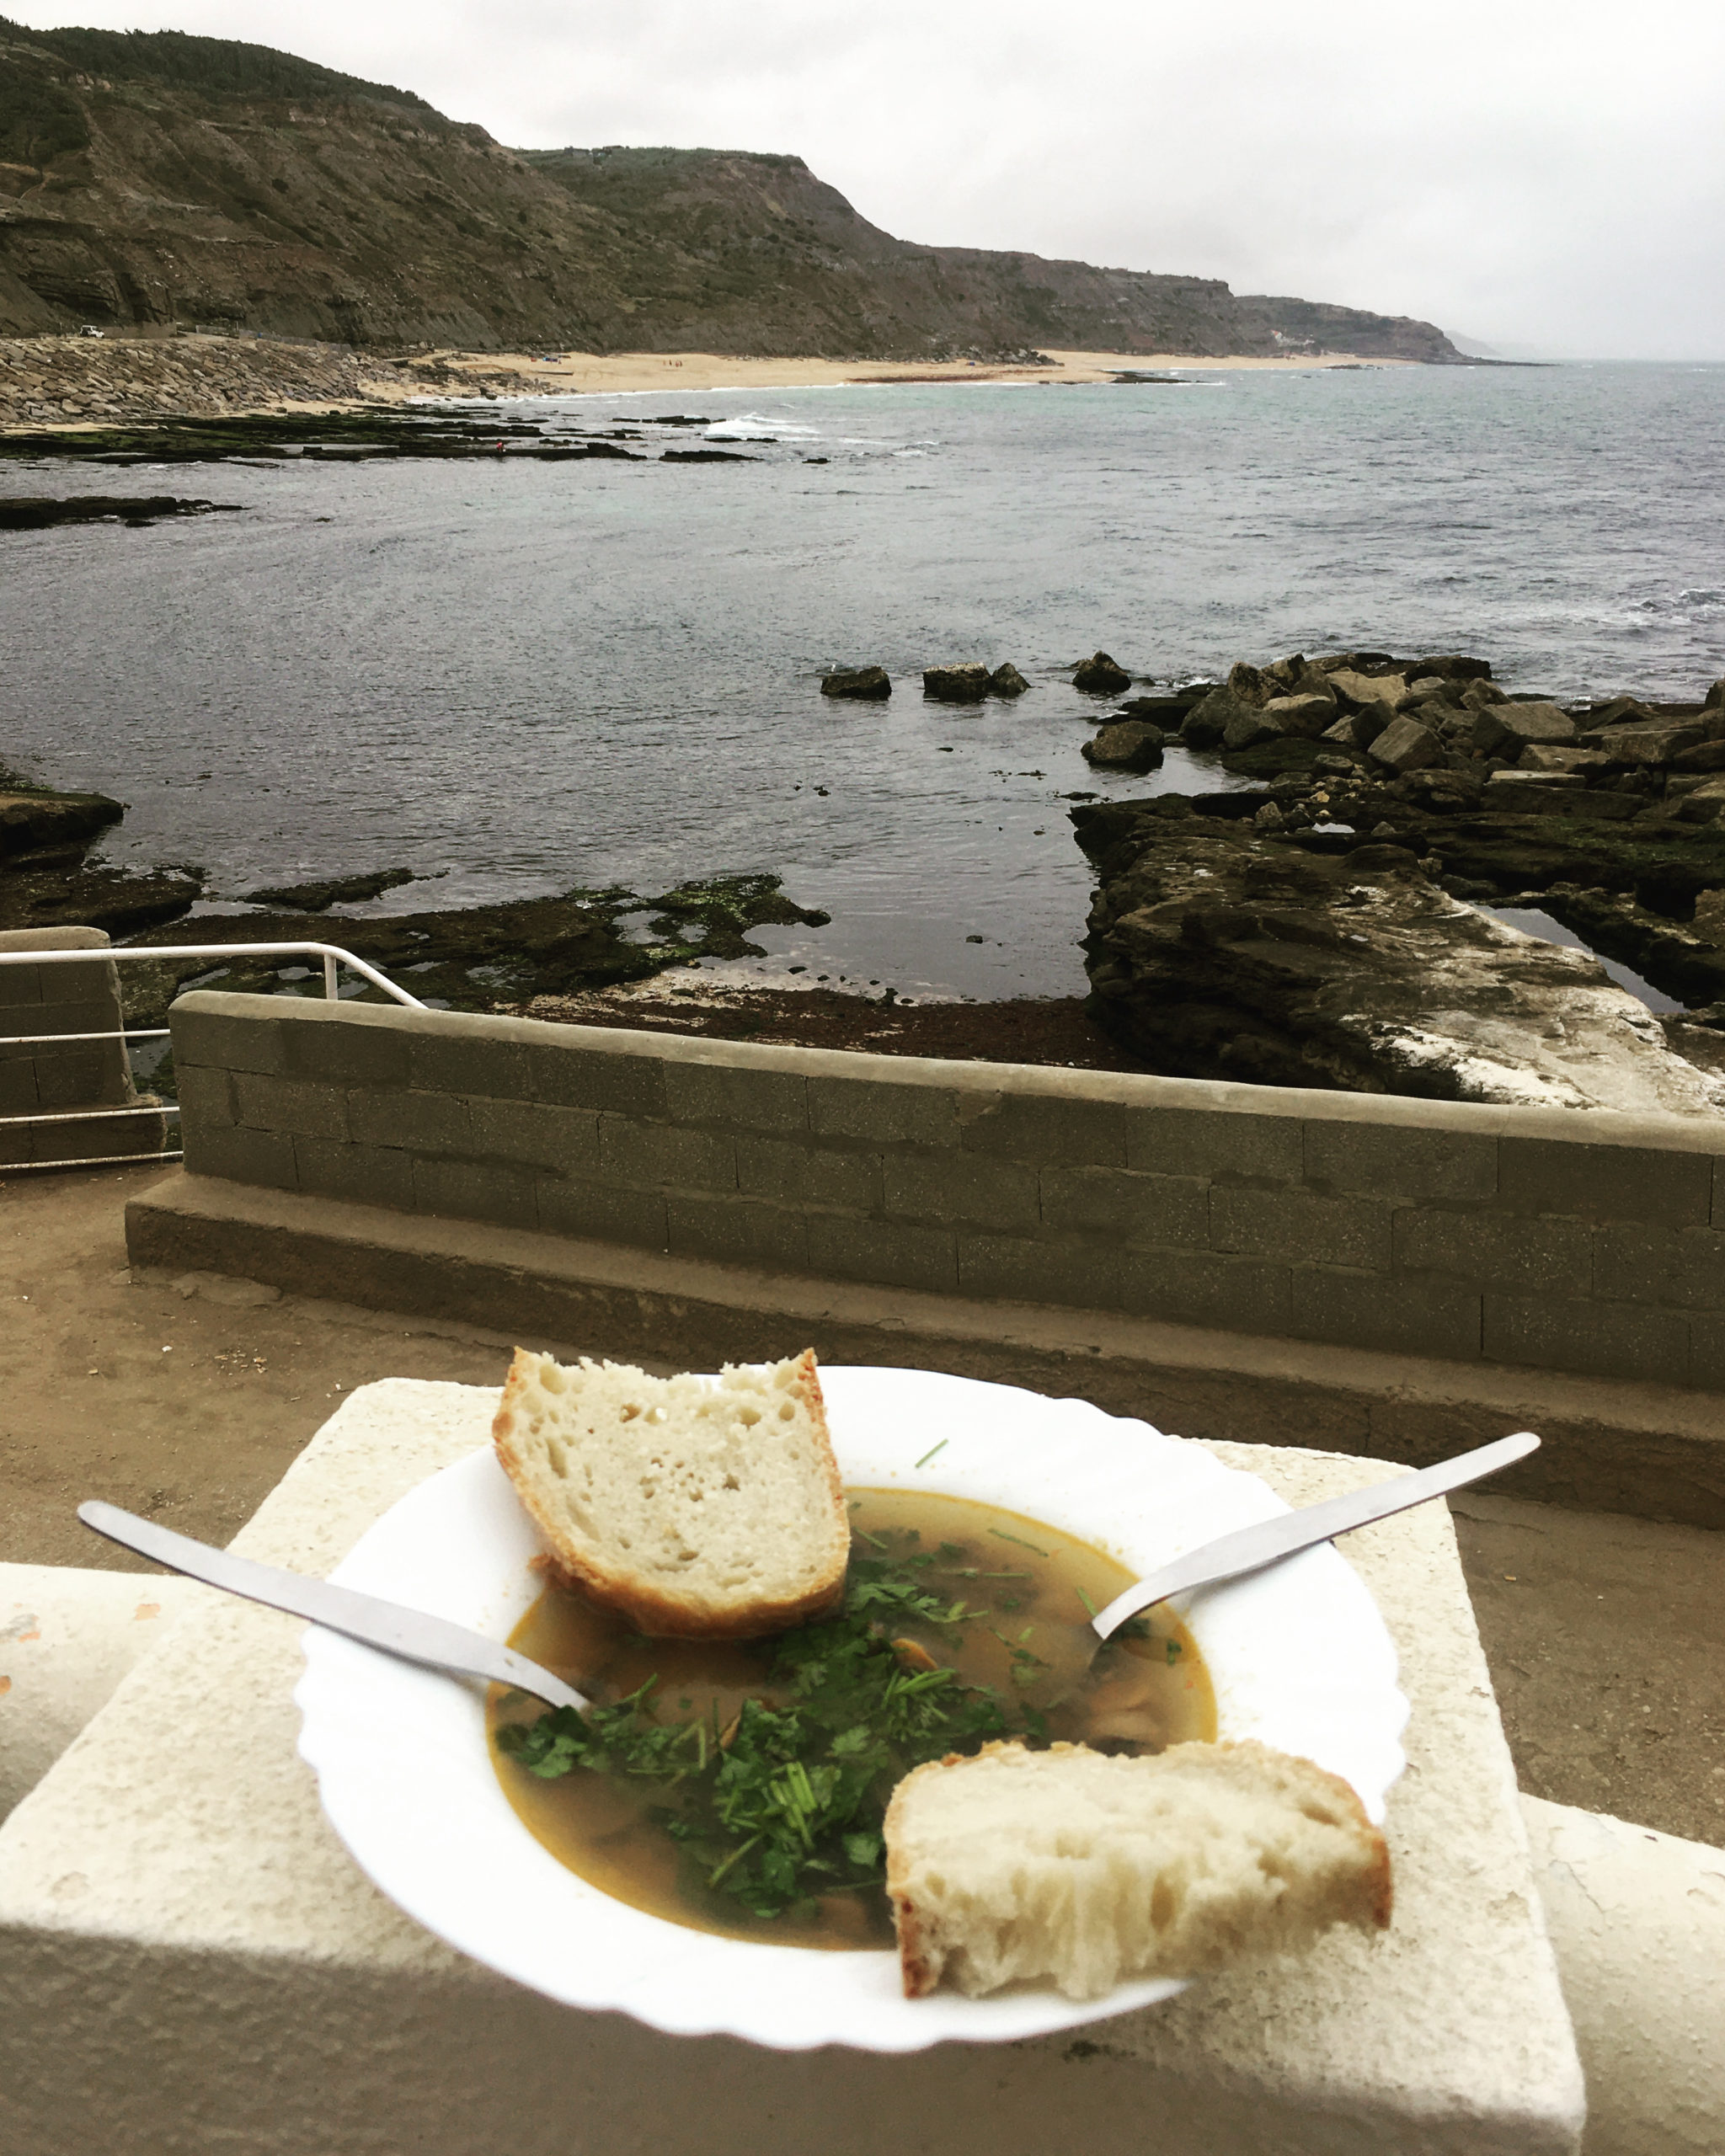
[[756, 426]]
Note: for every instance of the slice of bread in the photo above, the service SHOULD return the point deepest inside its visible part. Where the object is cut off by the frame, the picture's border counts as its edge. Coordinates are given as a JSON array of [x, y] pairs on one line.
[[698, 1507], [1078, 1868]]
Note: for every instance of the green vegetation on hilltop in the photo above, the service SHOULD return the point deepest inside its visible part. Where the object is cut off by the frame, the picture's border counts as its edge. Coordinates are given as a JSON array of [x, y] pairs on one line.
[[216, 67]]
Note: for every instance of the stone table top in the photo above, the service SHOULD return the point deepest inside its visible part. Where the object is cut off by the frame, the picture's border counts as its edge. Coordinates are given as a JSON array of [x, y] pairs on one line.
[[188, 1953]]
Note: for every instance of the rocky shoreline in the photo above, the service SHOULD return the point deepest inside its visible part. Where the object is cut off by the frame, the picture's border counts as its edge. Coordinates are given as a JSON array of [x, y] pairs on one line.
[[1323, 927], [1351, 916], [93, 381]]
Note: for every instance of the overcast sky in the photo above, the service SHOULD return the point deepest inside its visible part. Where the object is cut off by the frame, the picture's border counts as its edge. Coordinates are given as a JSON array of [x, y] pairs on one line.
[[1544, 175]]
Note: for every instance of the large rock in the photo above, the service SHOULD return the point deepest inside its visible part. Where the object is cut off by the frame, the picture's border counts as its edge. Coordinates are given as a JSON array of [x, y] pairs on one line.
[[1129, 744], [1452, 666], [1248, 726], [871, 683], [1099, 675], [1505, 729], [1647, 747], [33, 819], [1251, 683], [956, 684], [1406, 745], [1007, 681], [1356, 690], [1214, 952], [1308, 716], [1554, 757], [1207, 723], [1168, 713]]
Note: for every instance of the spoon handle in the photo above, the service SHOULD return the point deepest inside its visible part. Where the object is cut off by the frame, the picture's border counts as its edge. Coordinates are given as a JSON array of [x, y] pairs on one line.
[[1249, 1548], [432, 1641]]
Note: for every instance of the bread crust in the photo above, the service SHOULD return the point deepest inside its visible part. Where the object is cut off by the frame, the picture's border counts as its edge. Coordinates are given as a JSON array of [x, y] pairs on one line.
[[653, 1611]]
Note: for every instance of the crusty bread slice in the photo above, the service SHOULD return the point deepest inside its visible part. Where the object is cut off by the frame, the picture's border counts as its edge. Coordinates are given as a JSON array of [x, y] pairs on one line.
[[700, 1508], [1074, 1867]]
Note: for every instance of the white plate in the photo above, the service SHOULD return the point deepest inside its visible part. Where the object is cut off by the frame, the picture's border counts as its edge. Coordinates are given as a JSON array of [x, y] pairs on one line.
[[1299, 1656]]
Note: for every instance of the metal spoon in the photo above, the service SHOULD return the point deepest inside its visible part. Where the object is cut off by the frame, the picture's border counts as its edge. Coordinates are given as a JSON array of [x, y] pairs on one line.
[[1249, 1549], [432, 1641]]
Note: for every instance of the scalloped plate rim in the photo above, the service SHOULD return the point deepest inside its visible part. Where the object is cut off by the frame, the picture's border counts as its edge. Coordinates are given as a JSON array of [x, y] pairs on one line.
[[461, 1865]]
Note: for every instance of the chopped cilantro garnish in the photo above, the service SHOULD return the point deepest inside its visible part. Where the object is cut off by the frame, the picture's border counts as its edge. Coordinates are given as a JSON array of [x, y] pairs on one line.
[[1019, 1540], [785, 1804]]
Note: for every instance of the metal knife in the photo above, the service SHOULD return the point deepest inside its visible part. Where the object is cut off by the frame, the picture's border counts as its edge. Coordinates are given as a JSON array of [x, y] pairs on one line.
[[432, 1641]]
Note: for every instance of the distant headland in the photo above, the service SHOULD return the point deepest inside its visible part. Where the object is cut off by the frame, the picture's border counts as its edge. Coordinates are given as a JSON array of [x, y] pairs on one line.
[[156, 182]]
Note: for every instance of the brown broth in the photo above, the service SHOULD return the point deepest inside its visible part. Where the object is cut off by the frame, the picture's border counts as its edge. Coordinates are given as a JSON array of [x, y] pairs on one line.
[[1138, 1695]]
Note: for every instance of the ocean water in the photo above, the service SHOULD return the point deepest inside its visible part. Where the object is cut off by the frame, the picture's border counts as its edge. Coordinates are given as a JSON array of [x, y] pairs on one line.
[[513, 677]]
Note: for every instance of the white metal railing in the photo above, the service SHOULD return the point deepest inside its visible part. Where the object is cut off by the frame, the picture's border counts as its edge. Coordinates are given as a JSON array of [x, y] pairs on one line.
[[333, 957]]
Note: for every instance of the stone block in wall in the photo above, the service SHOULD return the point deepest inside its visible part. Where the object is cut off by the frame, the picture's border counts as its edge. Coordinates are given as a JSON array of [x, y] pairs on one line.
[[1194, 1287], [1299, 1227], [1681, 1268], [356, 1044], [1132, 1206], [1593, 1181], [877, 1112], [616, 1082], [592, 1210], [360, 1175], [1414, 1316], [528, 1133], [1213, 1142], [229, 1039], [417, 1122], [1040, 1269], [661, 1153], [1382, 1160], [1706, 1350], [260, 1156], [895, 1252], [206, 1095], [476, 1190], [775, 1102], [299, 1107], [789, 1173], [90, 1073], [1597, 1339], [737, 1231], [963, 1190], [479, 1065], [1049, 1129], [1526, 1251]]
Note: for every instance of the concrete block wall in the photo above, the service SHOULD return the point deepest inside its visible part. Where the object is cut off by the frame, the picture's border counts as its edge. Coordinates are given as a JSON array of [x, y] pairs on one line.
[[1546, 1239], [56, 1078]]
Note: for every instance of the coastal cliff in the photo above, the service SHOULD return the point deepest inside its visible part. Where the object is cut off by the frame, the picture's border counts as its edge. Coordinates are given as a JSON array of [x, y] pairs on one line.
[[162, 182]]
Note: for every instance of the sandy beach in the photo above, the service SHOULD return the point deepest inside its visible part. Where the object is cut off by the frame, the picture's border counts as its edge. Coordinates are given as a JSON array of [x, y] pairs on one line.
[[631, 373]]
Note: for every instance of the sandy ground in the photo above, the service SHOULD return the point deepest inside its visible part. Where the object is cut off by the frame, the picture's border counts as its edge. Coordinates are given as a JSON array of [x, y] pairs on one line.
[[626, 373], [187, 1402]]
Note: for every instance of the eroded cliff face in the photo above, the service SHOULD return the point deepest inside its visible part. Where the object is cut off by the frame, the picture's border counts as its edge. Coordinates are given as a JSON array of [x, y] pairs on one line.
[[194, 182]]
